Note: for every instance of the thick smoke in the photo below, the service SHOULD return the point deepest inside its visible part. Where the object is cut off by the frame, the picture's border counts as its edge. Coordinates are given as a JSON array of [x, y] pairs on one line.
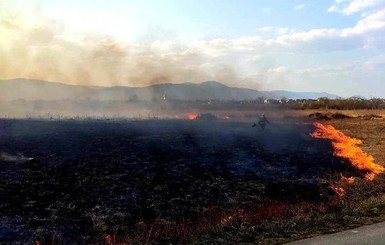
[[37, 47], [34, 46]]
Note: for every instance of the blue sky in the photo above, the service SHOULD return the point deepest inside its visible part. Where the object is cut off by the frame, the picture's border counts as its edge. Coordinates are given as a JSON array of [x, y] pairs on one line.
[[336, 46]]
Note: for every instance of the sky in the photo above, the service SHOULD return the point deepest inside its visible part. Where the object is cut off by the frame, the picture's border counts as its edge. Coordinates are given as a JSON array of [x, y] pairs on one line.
[[335, 46]]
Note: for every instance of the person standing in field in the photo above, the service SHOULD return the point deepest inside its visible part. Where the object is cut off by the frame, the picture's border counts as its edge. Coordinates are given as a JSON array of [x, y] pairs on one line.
[[262, 122]]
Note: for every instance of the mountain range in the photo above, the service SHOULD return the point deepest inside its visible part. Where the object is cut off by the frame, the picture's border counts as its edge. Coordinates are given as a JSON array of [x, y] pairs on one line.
[[32, 90]]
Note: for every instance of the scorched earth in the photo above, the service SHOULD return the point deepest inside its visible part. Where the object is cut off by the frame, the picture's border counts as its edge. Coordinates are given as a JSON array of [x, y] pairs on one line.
[[161, 181]]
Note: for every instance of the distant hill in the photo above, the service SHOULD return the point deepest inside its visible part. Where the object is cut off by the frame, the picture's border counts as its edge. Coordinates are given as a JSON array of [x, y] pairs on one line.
[[16, 89]]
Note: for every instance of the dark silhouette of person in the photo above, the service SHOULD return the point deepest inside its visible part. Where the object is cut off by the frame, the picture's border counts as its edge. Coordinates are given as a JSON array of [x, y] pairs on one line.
[[262, 122]]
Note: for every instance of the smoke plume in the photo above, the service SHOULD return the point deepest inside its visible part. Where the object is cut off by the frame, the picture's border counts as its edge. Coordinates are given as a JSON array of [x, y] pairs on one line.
[[34, 46]]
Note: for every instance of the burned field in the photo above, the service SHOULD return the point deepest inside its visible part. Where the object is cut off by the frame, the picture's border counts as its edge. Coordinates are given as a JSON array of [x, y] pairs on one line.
[[165, 181]]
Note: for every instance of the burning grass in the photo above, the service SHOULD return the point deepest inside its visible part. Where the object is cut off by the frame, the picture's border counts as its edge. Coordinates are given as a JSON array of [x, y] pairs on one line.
[[348, 148], [178, 182], [192, 116]]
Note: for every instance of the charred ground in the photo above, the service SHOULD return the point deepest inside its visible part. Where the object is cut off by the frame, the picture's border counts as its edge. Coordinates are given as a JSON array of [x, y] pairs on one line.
[[158, 181]]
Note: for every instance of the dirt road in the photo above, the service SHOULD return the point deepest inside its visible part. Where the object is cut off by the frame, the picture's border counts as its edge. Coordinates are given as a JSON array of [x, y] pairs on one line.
[[370, 235]]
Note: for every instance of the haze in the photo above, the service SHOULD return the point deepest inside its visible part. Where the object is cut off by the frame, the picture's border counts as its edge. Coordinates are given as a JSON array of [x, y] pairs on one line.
[[336, 46]]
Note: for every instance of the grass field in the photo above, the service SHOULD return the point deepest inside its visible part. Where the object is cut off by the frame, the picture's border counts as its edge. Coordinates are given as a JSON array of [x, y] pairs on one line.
[[181, 182], [371, 132]]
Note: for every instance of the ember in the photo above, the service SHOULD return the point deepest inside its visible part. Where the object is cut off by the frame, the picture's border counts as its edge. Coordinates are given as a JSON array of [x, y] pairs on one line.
[[108, 240], [348, 180], [239, 213], [348, 148], [191, 116], [339, 191]]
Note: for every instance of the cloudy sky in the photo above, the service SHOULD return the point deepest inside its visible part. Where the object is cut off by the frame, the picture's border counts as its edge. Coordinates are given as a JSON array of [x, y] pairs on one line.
[[336, 46]]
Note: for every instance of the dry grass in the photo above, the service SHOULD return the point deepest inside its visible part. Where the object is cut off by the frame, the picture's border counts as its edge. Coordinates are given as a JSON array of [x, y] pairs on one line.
[[371, 132], [351, 113]]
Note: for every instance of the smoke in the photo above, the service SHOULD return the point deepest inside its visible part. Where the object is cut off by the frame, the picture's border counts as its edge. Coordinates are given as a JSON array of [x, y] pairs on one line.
[[34, 46], [19, 158]]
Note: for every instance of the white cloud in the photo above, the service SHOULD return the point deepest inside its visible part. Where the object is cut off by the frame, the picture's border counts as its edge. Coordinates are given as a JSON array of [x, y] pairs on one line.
[[344, 68], [308, 36], [341, 69], [375, 62], [299, 7], [332, 8], [254, 58], [212, 48], [266, 29], [280, 69], [367, 32], [349, 7], [357, 6], [283, 30], [370, 23], [164, 46], [273, 31]]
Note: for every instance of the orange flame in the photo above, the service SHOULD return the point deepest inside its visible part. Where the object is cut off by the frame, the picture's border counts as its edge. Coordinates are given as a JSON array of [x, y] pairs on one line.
[[348, 180], [348, 148], [191, 116], [239, 213], [339, 191]]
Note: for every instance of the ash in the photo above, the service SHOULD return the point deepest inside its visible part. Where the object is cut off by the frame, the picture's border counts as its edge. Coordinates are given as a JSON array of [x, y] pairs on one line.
[[88, 177]]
